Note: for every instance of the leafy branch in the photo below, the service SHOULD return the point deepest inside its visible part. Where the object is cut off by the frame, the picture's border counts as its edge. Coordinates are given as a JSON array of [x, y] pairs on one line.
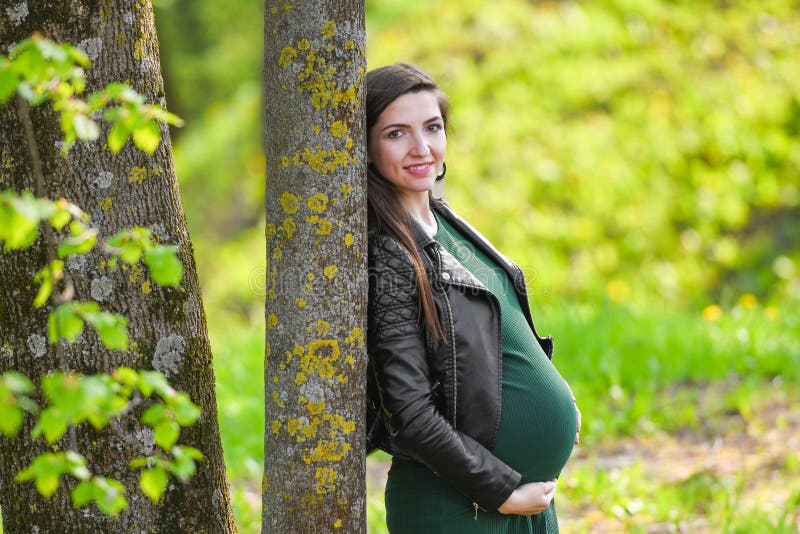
[[99, 400], [38, 70]]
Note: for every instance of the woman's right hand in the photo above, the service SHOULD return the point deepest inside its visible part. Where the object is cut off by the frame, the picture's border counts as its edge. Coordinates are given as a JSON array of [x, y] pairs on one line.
[[529, 499]]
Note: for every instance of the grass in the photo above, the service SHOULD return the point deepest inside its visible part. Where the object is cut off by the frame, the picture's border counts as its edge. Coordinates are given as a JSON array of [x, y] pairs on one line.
[[688, 421], [638, 375]]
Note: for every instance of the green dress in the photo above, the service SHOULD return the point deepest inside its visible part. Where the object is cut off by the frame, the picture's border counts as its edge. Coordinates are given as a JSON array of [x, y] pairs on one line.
[[536, 434]]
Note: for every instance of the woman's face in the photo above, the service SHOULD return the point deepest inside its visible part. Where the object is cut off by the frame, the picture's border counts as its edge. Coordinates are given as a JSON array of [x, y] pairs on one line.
[[408, 143]]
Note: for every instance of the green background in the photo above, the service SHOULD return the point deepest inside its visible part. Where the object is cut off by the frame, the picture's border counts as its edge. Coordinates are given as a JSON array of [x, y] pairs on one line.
[[638, 159]]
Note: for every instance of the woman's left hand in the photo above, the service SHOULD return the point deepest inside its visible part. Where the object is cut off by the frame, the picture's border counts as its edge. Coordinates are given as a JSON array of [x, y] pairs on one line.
[[577, 415]]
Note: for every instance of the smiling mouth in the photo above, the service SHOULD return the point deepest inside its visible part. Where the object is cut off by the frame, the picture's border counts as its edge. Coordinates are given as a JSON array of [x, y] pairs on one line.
[[419, 167]]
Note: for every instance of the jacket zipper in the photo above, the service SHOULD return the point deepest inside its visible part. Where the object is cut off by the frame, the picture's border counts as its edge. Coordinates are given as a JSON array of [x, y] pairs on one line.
[[452, 343], [453, 352]]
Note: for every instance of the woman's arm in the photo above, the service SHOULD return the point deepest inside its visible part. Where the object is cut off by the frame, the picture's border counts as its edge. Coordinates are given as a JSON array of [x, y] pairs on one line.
[[398, 351]]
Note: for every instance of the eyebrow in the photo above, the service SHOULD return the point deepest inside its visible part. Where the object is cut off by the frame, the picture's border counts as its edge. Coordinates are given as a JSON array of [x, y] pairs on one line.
[[401, 125]]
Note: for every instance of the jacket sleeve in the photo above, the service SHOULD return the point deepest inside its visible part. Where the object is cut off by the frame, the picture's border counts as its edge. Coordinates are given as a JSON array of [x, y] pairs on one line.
[[398, 351]]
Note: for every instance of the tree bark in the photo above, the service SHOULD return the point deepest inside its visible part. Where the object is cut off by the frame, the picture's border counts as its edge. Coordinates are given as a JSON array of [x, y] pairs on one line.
[[167, 325], [314, 468]]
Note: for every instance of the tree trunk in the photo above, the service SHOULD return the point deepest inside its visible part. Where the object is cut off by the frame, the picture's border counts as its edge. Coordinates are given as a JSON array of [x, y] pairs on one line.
[[167, 325], [314, 64]]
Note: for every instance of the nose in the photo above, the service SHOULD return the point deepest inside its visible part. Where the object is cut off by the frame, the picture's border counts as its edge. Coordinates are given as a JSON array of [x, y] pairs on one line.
[[420, 146]]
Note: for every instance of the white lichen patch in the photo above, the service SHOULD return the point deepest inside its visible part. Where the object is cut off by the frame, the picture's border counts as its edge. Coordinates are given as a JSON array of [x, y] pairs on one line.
[[6, 353], [91, 47], [37, 345], [191, 305], [313, 392], [101, 288], [169, 354], [160, 232], [18, 12], [146, 65], [147, 440], [128, 18], [76, 262], [102, 179]]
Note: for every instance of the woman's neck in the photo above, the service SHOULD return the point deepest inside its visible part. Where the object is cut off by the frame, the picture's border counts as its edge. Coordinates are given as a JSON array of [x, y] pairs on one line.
[[418, 206]]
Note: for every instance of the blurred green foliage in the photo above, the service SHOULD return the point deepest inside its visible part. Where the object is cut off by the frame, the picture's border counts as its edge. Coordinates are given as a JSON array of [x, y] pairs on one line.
[[642, 150], [637, 158]]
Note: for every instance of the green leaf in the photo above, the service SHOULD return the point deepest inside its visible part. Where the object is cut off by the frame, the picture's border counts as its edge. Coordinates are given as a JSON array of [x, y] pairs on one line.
[[155, 381], [21, 232], [147, 136], [123, 93], [64, 322], [8, 82], [47, 485], [60, 219], [109, 496], [170, 118], [165, 267], [126, 376], [184, 466], [77, 56], [186, 413], [153, 482], [11, 417], [75, 465], [136, 463], [44, 470], [118, 136], [166, 433], [112, 329], [45, 290], [17, 382], [83, 493], [154, 414], [80, 242], [127, 244], [85, 128], [53, 423], [13, 402], [47, 278]]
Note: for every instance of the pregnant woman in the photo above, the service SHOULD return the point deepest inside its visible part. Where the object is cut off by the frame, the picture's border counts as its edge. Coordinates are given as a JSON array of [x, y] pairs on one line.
[[462, 392]]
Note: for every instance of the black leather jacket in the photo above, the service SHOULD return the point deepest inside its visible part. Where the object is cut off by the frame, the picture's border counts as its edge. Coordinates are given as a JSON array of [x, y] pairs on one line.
[[439, 403]]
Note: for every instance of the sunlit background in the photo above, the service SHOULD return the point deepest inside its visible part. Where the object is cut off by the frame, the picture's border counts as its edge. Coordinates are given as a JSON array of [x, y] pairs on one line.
[[639, 159]]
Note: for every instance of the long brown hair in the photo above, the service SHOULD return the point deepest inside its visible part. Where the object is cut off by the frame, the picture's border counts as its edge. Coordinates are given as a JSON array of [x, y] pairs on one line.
[[385, 214]]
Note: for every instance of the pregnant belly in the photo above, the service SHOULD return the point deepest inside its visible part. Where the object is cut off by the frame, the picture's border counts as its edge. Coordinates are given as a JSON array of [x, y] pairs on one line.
[[538, 421]]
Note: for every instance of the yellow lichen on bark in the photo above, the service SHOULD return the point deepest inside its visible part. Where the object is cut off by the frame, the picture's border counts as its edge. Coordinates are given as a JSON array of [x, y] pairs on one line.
[[328, 30], [288, 228], [288, 54], [330, 271], [339, 129], [326, 480], [290, 202], [318, 202], [106, 204], [327, 451], [137, 175], [356, 337], [323, 327]]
